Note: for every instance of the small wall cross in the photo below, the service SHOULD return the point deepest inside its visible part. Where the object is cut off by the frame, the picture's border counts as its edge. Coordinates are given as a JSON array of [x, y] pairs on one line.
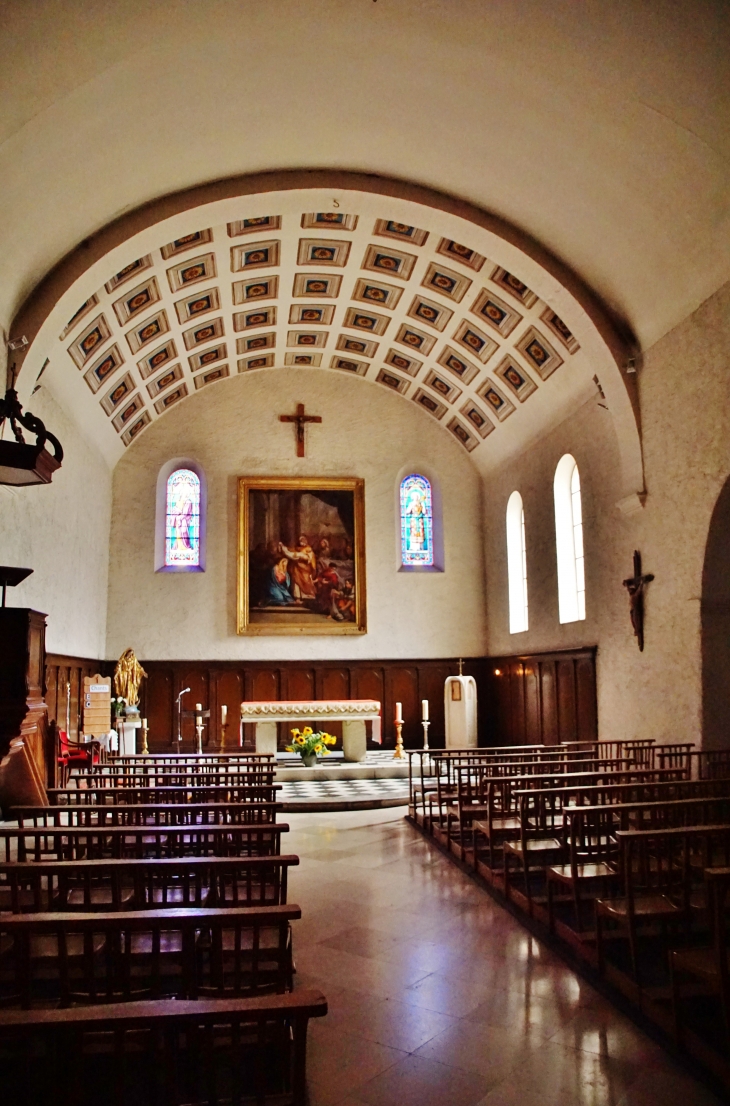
[[301, 420]]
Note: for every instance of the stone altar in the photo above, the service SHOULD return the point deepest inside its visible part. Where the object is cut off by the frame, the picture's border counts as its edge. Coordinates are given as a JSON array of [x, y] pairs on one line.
[[353, 713]]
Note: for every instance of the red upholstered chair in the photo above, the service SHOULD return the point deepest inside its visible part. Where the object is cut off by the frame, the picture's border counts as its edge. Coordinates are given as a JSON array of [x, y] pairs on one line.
[[75, 754]]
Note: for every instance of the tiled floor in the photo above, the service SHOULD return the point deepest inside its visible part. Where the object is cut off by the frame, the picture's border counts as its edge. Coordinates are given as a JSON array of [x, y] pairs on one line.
[[438, 997]]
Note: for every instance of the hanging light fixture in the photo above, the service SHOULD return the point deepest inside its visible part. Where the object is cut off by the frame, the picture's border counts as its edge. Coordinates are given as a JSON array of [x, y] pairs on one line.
[[20, 462]]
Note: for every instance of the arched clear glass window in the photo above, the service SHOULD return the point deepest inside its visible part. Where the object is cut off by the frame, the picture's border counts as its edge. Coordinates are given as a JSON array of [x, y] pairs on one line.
[[182, 519], [416, 521], [569, 541], [517, 565]]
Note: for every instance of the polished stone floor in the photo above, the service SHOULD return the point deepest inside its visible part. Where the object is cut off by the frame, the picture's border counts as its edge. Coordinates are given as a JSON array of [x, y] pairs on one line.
[[438, 997]]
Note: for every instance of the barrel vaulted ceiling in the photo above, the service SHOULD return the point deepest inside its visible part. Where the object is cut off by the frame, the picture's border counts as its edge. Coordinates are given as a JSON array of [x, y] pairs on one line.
[[600, 131], [440, 311]]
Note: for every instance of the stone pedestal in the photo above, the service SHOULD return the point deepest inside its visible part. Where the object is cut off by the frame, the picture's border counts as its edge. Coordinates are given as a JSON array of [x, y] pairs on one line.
[[128, 736], [266, 733], [354, 739]]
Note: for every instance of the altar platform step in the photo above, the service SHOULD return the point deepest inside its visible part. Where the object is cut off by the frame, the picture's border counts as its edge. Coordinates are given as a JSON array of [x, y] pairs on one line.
[[376, 766], [311, 796]]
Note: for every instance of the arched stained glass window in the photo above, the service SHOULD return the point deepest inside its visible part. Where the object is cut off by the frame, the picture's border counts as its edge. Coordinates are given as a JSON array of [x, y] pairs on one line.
[[182, 519], [416, 521]]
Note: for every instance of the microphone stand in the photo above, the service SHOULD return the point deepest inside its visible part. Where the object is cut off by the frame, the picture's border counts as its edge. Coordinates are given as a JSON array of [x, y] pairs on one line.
[[179, 718]]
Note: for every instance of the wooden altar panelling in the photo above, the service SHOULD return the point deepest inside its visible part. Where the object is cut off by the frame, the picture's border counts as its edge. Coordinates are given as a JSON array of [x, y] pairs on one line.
[[402, 687], [567, 705], [298, 683], [540, 697], [585, 687], [334, 683], [229, 692], [533, 729], [156, 705], [431, 686], [369, 683], [198, 680], [262, 685], [59, 671], [517, 701], [549, 703]]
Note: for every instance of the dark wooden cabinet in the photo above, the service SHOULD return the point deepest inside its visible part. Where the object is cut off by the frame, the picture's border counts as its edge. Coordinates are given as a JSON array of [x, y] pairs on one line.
[[23, 711]]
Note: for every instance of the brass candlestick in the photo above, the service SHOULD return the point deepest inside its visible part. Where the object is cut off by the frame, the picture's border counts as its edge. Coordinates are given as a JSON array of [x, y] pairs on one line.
[[145, 746], [224, 727], [398, 754]]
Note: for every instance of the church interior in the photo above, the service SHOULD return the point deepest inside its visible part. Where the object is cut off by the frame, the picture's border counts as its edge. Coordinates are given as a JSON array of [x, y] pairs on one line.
[[365, 530]]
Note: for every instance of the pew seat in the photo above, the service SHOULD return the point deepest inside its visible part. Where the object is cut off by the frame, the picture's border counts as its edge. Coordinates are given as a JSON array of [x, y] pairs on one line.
[[182, 1052]]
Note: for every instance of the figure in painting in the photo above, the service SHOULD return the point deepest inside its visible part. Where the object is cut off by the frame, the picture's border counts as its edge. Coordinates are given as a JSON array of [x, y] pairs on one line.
[[278, 585], [302, 568]]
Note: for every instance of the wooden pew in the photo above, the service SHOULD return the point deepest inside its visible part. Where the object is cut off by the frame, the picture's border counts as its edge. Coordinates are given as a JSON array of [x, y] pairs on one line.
[[456, 812], [148, 814], [60, 958], [706, 969], [590, 837], [172, 778], [139, 842], [658, 871], [191, 793], [150, 1052], [109, 885]]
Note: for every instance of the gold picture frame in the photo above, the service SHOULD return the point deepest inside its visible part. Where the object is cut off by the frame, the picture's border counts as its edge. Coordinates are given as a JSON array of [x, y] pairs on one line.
[[301, 556]]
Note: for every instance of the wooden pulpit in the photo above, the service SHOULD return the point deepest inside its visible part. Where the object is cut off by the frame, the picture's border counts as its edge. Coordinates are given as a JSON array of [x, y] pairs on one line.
[[25, 741]]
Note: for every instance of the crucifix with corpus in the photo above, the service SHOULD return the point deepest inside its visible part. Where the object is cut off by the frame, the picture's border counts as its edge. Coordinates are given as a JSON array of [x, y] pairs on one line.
[[301, 420], [635, 586]]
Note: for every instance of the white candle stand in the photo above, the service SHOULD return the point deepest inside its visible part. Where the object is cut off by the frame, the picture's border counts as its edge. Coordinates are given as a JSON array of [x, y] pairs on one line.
[[199, 717], [425, 723]]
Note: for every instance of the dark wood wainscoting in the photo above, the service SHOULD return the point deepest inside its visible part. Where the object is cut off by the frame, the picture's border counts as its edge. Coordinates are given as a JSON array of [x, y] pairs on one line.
[[213, 684], [65, 685], [540, 697]]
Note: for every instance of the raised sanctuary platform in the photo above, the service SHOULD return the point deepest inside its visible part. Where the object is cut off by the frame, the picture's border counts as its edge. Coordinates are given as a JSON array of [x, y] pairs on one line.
[[336, 784]]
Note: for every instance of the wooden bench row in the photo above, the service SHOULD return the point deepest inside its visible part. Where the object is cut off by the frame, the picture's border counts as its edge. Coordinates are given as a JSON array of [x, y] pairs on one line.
[[148, 814], [140, 842], [145, 1052], [185, 793], [112, 885], [65, 957]]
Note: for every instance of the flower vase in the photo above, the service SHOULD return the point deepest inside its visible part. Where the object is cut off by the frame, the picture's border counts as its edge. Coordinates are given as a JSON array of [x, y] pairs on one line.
[[309, 760]]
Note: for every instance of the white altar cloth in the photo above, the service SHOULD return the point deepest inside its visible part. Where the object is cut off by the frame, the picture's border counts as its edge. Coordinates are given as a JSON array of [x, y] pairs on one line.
[[354, 713]]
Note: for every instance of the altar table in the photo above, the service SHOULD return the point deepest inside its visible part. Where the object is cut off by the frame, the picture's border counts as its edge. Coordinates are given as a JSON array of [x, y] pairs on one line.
[[353, 713]]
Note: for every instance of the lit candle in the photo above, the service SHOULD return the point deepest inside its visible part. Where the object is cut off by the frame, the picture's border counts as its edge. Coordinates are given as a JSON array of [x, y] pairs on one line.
[[424, 709], [224, 712], [399, 712]]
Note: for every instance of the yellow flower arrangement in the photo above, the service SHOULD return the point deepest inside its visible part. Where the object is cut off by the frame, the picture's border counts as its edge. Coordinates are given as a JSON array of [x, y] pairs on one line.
[[307, 743]]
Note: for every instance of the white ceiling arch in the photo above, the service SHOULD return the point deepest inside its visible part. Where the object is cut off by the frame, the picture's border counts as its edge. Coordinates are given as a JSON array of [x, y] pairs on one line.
[[414, 291]]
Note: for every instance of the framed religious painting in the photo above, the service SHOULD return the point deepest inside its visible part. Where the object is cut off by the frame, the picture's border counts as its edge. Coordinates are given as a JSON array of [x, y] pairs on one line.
[[301, 556]]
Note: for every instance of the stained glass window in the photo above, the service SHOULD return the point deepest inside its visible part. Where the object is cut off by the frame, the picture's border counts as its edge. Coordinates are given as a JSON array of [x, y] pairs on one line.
[[182, 519], [416, 521]]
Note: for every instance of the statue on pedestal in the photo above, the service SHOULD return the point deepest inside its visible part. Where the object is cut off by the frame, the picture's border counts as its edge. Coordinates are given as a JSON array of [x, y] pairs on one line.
[[128, 675]]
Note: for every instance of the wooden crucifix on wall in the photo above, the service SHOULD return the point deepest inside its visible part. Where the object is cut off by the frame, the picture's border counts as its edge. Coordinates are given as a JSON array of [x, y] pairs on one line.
[[635, 585], [301, 420]]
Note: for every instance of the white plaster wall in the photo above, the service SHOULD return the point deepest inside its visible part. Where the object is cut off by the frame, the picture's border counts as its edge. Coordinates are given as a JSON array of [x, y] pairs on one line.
[[61, 531], [684, 387], [231, 428]]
